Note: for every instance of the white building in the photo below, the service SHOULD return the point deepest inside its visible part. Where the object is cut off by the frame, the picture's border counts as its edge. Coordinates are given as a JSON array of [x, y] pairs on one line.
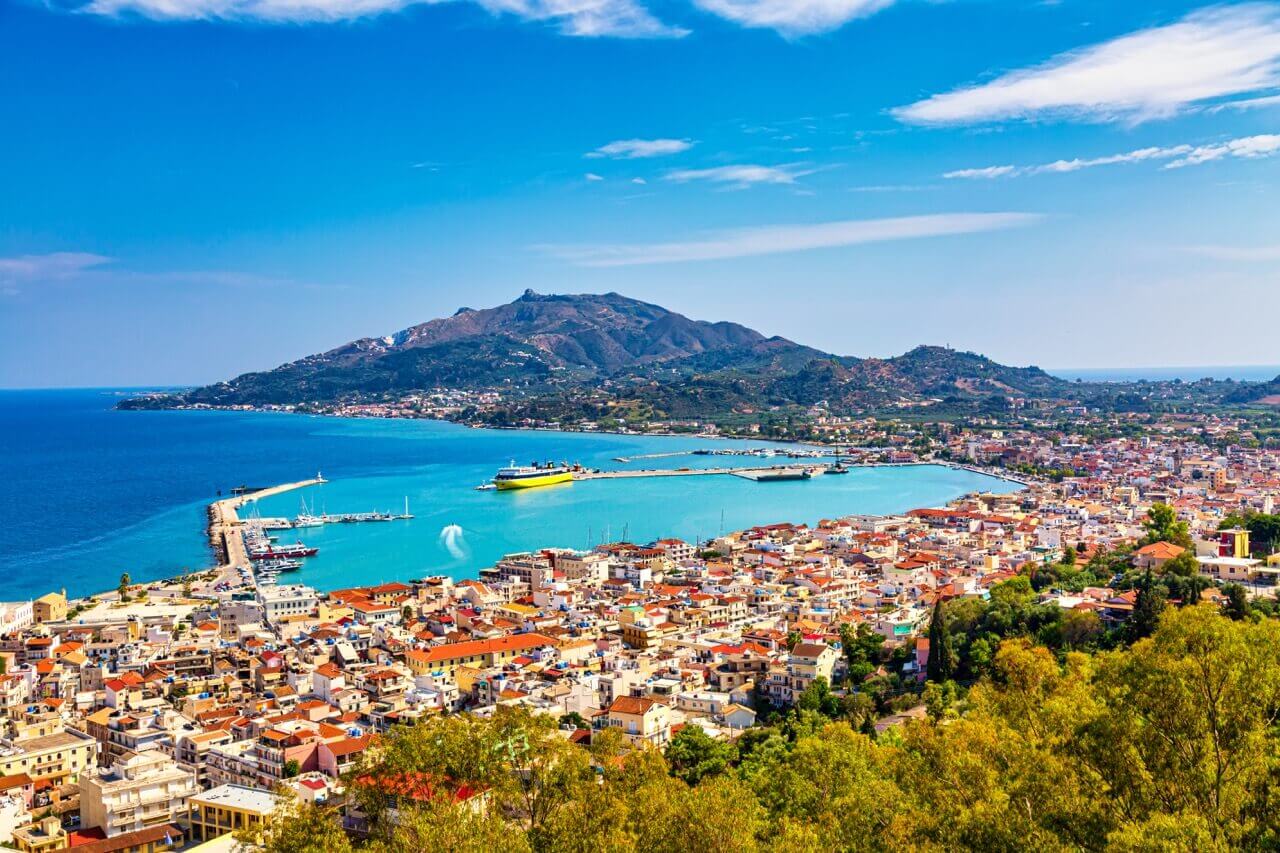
[[281, 602], [138, 792]]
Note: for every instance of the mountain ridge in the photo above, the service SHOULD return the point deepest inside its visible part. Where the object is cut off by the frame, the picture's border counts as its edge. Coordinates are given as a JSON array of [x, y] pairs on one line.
[[547, 343]]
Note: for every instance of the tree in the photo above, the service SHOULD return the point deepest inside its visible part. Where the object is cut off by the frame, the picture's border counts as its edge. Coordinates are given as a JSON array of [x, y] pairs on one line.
[[1148, 606], [1184, 565], [292, 768], [1068, 556], [694, 755], [298, 827], [1081, 628], [573, 718], [1162, 525], [939, 698], [123, 589], [818, 698], [862, 649], [441, 824], [942, 663], [1237, 604]]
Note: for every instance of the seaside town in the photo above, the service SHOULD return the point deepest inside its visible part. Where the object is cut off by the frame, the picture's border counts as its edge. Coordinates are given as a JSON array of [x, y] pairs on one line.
[[185, 714]]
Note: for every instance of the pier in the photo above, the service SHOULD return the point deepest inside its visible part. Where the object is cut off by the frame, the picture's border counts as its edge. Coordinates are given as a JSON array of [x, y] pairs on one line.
[[749, 472], [225, 524]]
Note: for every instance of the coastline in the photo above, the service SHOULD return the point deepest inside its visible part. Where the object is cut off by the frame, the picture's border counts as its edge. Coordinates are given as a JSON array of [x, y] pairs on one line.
[[224, 526], [217, 524]]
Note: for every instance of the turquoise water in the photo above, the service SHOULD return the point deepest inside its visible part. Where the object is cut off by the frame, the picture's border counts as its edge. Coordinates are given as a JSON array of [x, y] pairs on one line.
[[91, 492]]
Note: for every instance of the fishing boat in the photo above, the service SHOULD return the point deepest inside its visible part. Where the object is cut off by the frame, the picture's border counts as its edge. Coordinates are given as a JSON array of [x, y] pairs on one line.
[[274, 552], [532, 476], [279, 565]]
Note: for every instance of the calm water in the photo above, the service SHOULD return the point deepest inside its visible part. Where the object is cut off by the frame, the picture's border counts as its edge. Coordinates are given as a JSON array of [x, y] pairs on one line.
[[87, 493]]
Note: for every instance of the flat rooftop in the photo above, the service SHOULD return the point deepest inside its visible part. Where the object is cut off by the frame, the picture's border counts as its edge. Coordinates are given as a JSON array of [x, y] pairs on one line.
[[237, 797]]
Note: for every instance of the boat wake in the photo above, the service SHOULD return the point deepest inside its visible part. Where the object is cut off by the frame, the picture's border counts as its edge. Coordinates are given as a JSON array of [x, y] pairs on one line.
[[452, 539]]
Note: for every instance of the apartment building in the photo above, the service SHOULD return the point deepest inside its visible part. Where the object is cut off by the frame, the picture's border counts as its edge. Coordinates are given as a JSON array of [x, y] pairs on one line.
[[140, 791]]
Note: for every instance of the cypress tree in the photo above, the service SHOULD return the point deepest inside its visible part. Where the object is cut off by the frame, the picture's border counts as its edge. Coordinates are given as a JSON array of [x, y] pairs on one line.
[[942, 661]]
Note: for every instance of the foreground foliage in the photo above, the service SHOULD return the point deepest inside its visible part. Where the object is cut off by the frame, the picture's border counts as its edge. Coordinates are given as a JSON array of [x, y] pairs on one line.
[[1168, 744]]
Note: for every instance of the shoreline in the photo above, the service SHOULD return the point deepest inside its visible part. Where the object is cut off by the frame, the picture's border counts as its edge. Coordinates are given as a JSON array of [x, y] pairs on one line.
[[223, 514], [225, 524]]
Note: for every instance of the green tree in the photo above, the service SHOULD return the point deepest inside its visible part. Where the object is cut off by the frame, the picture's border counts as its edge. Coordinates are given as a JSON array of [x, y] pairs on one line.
[[292, 768], [1150, 603], [573, 718], [1184, 565], [123, 588], [694, 755], [1237, 603], [1162, 525], [941, 665], [297, 827]]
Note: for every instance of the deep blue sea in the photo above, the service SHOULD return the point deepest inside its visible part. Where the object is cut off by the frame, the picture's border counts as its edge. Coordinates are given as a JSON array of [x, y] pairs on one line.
[[87, 492]]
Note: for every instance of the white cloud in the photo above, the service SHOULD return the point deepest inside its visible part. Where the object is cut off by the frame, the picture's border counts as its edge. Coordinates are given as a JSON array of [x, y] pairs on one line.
[[23, 269], [739, 177], [1248, 148], [592, 176], [1177, 155], [793, 17], [1212, 54], [621, 18], [635, 149], [986, 172], [1247, 104], [640, 181], [773, 239], [1237, 253]]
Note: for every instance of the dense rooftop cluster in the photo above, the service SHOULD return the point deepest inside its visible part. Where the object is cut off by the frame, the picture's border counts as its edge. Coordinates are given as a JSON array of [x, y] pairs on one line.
[[135, 722]]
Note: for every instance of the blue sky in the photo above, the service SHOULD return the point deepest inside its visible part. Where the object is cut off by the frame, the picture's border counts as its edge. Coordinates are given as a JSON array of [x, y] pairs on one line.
[[194, 188]]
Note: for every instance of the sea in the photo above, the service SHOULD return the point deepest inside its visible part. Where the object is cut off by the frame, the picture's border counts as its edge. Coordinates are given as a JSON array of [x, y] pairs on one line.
[[88, 493]]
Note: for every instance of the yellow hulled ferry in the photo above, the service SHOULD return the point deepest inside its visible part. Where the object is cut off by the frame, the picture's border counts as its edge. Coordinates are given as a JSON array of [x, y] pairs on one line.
[[532, 476]]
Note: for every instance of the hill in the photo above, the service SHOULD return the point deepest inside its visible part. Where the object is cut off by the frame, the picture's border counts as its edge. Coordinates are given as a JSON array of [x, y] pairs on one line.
[[541, 345]]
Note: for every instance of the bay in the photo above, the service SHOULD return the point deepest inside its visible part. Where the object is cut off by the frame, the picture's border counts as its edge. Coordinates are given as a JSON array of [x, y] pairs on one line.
[[87, 492]]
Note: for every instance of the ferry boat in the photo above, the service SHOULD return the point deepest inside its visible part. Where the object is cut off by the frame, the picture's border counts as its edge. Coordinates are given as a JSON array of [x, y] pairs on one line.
[[779, 475], [531, 476]]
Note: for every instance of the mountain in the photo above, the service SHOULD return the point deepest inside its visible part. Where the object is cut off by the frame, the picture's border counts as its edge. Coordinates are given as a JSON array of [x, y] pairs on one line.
[[543, 345]]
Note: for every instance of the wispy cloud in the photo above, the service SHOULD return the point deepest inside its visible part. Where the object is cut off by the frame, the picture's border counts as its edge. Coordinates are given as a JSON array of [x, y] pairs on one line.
[[774, 239], [593, 177], [618, 18], [635, 149], [1178, 156], [1247, 148], [793, 17], [75, 268], [1213, 54], [740, 177], [21, 270], [984, 172], [1254, 254], [1247, 104]]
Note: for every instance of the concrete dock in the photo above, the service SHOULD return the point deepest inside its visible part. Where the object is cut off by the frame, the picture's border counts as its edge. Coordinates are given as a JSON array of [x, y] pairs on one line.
[[750, 472], [225, 524]]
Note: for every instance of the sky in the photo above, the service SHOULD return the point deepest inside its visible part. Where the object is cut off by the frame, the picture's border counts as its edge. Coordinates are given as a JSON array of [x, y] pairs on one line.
[[191, 189]]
